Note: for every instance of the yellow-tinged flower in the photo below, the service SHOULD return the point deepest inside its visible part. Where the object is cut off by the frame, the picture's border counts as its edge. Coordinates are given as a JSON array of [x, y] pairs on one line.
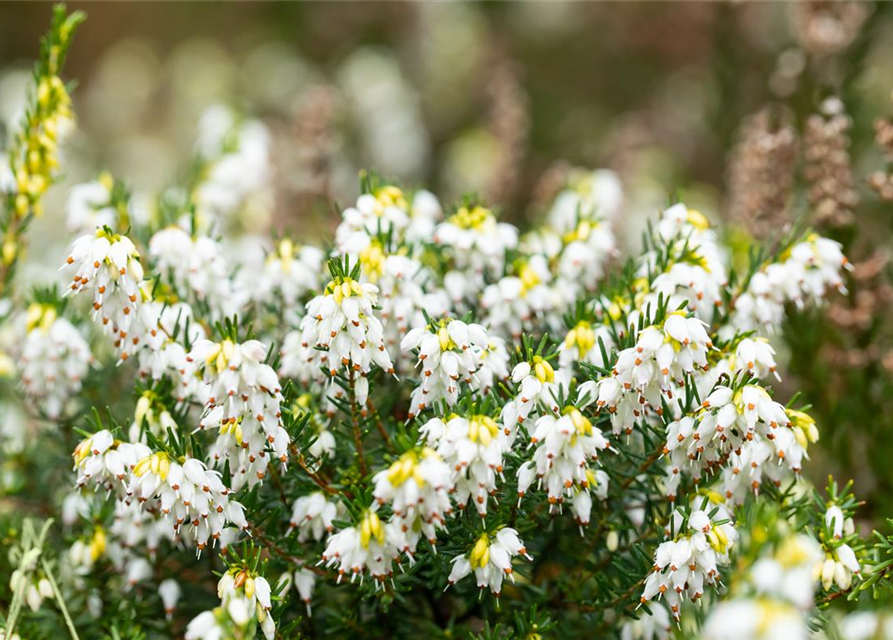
[[482, 429], [713, 496], [582, 336], [40, 316], [581, 232], [371, 527], [389, 196], [406, 467], [158, 463], [543, 370], [793, 552], [718, 539], [219, 356], [97, 544], [581, 423], [528, 276], [443, 336], [372, 259], [697, 219], [342, 288], [477, 218], [480, 553], [805, 429]]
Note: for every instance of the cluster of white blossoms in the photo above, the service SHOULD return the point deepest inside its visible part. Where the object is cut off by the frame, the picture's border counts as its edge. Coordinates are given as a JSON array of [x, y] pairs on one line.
[[386, 211], [840, 563], [184, 492], [476, 241], [687, 267], [313, 516], [448, 303], [691, 559], [417, 487], [290, 273], [804, 274], [197, 268], [450, 352], [242, 401], [245, 601], [473, 446], [163, 356], [566, 444], [107, 266], [537, 384], [490, 559], [517, 301], [189, 494], [368, 547], [576, 242], [647, 373], [775, 598], [53, 358], [341, 332], [105, 463], [745, 432]]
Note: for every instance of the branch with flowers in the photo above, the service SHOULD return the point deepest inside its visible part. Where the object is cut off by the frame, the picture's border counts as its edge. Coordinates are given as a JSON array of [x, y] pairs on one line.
[[437, 424]]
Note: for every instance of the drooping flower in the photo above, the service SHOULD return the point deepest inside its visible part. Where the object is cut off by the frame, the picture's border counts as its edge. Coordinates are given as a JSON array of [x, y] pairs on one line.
[[369, 547], [417, 487], [692, 559], [243, 403], [490, 559], [449, 352], [343, 331], [54, 358], [107, 266], [473, 447], [312, 515]]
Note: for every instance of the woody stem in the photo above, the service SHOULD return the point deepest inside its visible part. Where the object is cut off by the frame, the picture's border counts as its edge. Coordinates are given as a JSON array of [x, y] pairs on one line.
[[355, 424]]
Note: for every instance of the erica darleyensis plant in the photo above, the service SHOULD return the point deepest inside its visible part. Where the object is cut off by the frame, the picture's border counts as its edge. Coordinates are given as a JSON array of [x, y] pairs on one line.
[[437, 425]]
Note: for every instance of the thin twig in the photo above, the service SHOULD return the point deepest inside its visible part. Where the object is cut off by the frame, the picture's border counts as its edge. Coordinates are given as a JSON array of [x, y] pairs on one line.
[[380, 425], [355, 424]]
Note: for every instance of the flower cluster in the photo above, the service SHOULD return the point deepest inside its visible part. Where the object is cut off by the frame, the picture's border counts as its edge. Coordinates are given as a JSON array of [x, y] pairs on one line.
[[565, 445], [417, 487], [648, 372], [368, 547], [245, 601], [778, 595], [449, 352], [197, 268], [341, 331], [803, 274], [692, 558], [473, 447], [54, 358], [428, 396], [490, 559], [189, 494], [242, 401]]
